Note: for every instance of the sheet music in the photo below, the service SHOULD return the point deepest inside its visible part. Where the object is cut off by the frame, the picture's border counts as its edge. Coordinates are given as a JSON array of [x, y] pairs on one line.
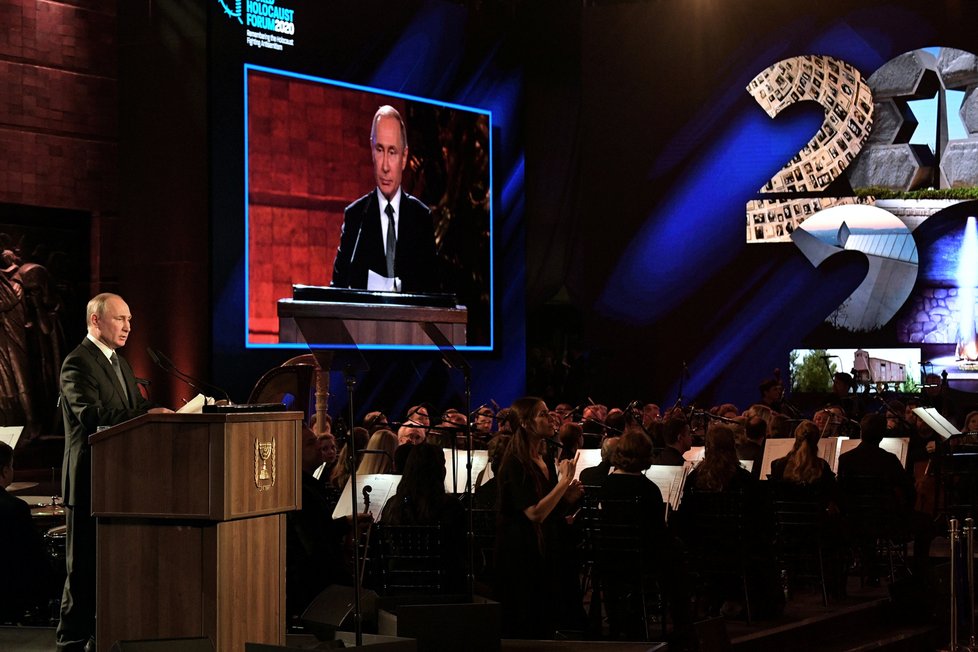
[[774, 449], [937, 422], [669, 480], [382, 485], [480, 460], [896, 445], [697, 454], [828, 450], [589, 457], [10, 435]]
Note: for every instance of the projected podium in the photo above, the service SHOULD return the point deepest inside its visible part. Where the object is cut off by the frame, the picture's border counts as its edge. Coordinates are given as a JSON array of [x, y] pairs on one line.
[[191, 526], [330, 316]]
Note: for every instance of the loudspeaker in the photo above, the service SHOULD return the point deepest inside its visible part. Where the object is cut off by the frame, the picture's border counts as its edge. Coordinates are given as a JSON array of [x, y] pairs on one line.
[[333, 609], [447, 627], [202, 644]]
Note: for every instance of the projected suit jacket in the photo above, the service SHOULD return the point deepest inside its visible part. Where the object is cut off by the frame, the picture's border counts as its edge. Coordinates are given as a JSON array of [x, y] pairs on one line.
[[362, 246]]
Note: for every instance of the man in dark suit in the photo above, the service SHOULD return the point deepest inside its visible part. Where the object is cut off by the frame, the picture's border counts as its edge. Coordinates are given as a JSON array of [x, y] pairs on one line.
[[594, 476], [98, 389], [387, 231], [869, 468]]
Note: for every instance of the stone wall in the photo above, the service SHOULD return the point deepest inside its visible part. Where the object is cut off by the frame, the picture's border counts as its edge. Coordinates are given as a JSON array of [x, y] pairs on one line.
[[933, 318]]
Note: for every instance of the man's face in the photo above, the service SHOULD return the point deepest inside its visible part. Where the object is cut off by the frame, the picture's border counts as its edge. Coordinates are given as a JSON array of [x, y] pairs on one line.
[[650, 414], [773, 394], [389, 155], [483, 421], [409, 435], [7, 475], [113, 325]]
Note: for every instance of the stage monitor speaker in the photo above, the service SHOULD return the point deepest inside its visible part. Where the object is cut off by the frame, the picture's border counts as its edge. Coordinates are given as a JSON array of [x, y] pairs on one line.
[[344, 641], [459, 627], [333, 609], [201, 644]]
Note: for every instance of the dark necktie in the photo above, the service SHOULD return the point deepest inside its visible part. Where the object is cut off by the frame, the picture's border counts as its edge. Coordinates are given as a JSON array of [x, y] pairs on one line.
[[391, 240], [118, 372]]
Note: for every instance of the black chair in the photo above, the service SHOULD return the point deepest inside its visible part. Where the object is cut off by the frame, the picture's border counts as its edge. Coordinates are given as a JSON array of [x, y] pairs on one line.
[[716, 532], [414, 560], [484, 544], [621, 566], [800, 535], [877, 524]]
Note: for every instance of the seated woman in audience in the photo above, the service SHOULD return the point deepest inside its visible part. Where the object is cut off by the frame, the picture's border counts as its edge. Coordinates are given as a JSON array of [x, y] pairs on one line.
[[720, 469], [534, 498], [379, 453], [802, 466], [421, 499], [631, 457], [720, 492]]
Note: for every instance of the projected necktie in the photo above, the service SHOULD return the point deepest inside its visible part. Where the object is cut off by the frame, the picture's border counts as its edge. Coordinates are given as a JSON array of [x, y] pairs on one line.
[[118, 372], [391, 240]]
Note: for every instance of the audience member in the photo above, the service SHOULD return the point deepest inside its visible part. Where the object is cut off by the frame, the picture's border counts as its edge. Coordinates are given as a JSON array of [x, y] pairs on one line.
[[378, 455], [27, 575], [678, 439], [594, 476]]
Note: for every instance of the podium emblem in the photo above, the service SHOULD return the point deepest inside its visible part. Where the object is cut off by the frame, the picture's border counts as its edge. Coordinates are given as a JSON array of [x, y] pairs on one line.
[[264, 464]]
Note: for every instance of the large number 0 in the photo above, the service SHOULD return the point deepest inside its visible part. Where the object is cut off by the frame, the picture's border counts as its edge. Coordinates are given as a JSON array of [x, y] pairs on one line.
[[848, 103]]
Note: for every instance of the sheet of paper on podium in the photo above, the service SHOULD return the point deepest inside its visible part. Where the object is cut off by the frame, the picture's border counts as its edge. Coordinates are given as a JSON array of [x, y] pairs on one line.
[[382, 486], [10, 435]]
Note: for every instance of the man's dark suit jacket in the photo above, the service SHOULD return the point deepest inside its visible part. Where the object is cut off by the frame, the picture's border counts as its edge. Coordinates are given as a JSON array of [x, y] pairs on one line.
[[26, 574], [91, 396], [594, 476], [362, 246], [870, 461]]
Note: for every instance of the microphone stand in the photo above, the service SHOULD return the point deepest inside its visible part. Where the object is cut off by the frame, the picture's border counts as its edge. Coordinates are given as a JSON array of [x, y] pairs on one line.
[[453, 359], [351, 382]]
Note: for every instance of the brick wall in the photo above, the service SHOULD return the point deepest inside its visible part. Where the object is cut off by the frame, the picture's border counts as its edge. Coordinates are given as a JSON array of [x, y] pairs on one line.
[[309, 158], [58, 98]]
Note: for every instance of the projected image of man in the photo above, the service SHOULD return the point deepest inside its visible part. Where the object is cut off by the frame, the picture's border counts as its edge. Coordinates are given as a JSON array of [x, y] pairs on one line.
[[388, 240]]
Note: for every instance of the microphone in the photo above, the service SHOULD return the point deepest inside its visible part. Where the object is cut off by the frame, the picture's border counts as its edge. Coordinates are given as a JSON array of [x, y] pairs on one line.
[[167, 365]]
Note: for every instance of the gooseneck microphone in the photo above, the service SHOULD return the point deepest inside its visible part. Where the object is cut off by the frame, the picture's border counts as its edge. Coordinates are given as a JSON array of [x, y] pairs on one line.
[[167, 365]]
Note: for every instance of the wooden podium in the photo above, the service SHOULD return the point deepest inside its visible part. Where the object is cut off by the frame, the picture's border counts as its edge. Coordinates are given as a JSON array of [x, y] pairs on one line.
[[329, 323], [191, 526]]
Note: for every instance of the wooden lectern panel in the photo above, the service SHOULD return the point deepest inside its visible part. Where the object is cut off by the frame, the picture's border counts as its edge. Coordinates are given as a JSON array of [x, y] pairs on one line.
[[191, 526], [328, 323], [161, 579], [198, 466]]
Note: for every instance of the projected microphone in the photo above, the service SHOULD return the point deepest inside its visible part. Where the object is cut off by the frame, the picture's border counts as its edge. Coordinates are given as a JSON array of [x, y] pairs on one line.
[[167, 365]]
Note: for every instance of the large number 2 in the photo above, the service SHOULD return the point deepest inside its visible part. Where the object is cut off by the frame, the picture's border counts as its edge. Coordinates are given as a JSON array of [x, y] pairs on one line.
[[848, 103]]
